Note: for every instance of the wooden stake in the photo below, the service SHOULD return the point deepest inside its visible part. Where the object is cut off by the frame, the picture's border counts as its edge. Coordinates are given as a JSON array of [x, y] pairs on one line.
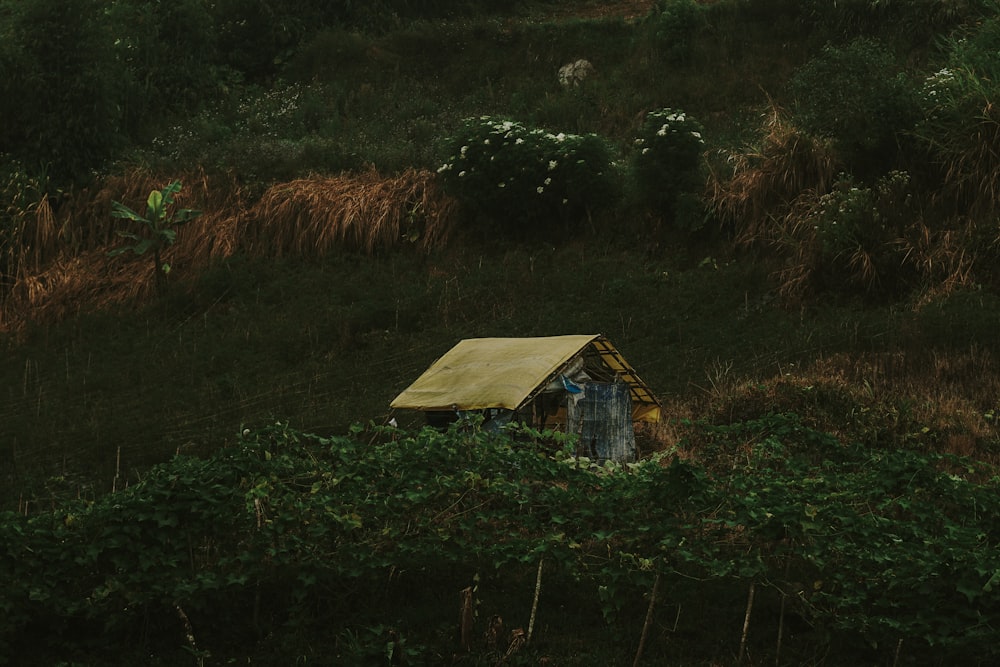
[[781, 615], [534, 603], [466, 618], [781, 630], [118, 467], [746, 625], [648, 622]]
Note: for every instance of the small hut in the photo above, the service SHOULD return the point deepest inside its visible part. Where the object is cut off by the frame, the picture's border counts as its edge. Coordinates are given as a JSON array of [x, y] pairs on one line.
[[580, 384]]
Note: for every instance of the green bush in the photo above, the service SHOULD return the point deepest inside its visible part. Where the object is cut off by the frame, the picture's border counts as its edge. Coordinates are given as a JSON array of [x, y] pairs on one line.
[[168, 58], [59, 103], [515, 176], [675, 23], [857, 96], [855, 229], [665, 164]]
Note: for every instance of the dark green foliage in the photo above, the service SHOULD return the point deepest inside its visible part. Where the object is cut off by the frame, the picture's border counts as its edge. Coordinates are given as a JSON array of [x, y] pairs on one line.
[[285, 529], [914, 20], [59, 105], [857, 96], [959, 120], [676, 25], [167, 57]]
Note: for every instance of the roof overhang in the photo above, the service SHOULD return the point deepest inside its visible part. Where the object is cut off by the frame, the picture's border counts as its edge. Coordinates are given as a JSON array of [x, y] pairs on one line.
[[481, 373]]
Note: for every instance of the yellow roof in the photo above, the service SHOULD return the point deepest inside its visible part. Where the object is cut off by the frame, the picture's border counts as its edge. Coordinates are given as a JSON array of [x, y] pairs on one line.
[[481, 373]]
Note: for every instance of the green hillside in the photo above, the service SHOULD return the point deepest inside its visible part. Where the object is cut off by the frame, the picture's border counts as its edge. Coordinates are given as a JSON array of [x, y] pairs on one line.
[[723, 302], [768, 206]]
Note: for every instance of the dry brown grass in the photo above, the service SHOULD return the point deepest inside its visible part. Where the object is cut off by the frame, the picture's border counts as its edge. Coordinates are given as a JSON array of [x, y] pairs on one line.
[[313, 216], [84, 218], [921, 399], [65, 266], [765, 184], [942, 258]]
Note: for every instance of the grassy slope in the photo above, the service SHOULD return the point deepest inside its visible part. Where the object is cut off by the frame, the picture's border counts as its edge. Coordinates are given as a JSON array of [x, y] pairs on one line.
[[329, 343]]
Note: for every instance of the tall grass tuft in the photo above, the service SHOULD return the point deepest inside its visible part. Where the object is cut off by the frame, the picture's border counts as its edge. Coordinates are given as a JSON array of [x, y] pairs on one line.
[[360, 212], [765, 183]]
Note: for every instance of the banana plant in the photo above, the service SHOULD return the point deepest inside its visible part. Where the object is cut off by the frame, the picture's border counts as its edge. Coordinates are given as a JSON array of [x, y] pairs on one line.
[[158, 227]]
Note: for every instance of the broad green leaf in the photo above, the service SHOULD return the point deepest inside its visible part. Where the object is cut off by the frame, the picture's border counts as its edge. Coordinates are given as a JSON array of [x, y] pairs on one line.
[[121, 211], [154, 206]]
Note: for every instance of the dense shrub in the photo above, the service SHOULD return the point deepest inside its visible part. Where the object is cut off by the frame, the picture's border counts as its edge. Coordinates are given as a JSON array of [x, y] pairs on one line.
[[665, 165], [857, 96], [914, 19], [517, 177], [675, 24], [58, 100]]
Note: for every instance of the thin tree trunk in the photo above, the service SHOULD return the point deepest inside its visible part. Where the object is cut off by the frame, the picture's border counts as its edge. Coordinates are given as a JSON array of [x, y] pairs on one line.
[[746, 625]]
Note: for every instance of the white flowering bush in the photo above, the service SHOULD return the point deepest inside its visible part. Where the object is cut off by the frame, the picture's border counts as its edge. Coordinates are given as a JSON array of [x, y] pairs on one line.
[[513, 175], [856, 229], [666, 163]]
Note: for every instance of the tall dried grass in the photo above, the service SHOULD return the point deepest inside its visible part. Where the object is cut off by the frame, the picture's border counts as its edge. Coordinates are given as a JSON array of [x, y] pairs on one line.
[[84, 218], [941, 257], [67, 268], [31, 239], [920, 398], [766, 184], [313, 216]]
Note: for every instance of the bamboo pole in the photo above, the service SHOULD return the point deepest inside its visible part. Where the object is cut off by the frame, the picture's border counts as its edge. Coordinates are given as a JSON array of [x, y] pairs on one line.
[[648, 622], [534, 603]]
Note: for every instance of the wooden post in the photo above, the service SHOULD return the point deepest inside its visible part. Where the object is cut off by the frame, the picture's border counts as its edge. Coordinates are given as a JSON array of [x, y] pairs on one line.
[[466, 618]]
